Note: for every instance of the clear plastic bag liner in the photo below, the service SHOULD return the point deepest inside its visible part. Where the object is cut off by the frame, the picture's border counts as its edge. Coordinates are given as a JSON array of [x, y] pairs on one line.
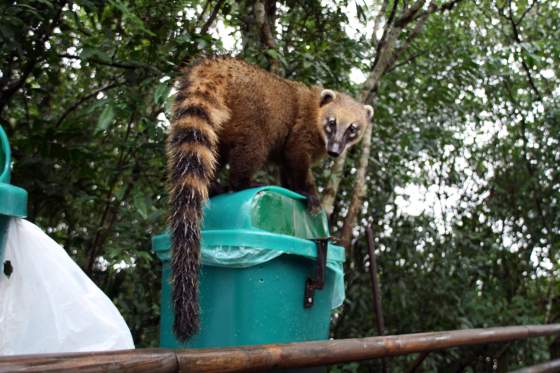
[[270, 208], [48, 305], [281, 211], [243, 257]]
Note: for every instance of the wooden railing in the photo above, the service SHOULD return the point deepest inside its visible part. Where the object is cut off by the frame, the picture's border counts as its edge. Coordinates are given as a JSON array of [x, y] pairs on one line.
[[267, 357]]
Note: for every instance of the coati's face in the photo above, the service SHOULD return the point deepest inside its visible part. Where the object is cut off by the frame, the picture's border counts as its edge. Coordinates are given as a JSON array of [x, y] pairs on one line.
[[342, 121]]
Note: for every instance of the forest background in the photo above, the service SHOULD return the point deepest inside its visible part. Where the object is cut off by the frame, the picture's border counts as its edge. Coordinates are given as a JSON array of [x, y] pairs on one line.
[[458, 177]]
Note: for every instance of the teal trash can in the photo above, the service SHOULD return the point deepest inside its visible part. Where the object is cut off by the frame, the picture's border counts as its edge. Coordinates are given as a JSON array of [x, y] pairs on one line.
[[257, 255], [13, 200]]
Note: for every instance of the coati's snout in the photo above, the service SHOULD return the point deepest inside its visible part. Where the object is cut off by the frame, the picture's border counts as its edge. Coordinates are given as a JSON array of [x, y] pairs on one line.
[[334, 149], [342, 121]]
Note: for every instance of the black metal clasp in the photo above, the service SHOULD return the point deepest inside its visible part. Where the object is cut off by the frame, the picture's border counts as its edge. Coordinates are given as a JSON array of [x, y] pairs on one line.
[[318, 282]]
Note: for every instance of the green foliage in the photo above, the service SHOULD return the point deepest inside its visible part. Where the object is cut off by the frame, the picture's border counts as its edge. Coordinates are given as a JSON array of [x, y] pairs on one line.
[[468, 118], [461, 123]]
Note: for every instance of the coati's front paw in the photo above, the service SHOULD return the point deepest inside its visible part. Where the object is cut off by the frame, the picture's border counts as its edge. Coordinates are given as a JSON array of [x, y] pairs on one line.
[[313, 204]]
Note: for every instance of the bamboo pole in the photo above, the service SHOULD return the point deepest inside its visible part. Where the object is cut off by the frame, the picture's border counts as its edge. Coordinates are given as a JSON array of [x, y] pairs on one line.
[[137, 361], [268, 357], [306, 354]]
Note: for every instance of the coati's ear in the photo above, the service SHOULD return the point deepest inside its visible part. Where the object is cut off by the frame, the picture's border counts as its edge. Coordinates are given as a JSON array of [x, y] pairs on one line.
[[327, 95], [369, 111]]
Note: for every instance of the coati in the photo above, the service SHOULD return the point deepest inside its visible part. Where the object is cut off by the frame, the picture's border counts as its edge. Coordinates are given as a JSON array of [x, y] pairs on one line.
[[228, 111]]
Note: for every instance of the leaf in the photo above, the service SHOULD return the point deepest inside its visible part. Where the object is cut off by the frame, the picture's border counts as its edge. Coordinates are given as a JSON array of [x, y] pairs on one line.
[[161, 93], [94, 53], [130, 15], [276, 55], [140, 204], [46, 2], [168, 105], [105, 119]]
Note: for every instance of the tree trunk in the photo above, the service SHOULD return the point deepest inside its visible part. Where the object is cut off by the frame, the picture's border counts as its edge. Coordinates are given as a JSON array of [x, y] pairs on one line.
[[387, 55], [329, 194], [359, 190]]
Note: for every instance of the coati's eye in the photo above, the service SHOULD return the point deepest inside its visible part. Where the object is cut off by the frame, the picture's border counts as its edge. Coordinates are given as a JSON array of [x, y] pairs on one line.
[[353, 129], [331, 125]]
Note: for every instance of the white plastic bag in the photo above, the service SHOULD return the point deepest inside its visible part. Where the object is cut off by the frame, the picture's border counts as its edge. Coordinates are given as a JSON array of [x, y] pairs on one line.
[[48, 304]]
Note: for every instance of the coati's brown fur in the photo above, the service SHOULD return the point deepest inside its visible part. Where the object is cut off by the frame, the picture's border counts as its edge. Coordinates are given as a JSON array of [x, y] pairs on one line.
[[227, 111]]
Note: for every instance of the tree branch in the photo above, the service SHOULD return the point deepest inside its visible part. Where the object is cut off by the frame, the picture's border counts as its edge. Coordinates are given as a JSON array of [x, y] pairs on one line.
[[83, 99], [525, 12], [517, 39], [203, 13], [409, 14], [386, 28], [212, 17], [329, 194], [117, 64], [387, 55], [408, 60], [265, 33], [437, 8], [110, 211], [379, 17], [359, 190], [413, 34]]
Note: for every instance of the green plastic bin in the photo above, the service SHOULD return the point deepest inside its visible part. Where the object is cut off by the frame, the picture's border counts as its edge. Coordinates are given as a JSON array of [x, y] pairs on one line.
[[256, 256], [13, 200]]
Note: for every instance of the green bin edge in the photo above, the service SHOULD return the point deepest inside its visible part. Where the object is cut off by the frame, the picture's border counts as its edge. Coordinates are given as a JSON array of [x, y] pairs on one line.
[[13, 200]]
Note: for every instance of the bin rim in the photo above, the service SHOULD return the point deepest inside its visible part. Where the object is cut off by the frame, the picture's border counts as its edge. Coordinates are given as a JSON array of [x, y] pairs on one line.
[[161, 244], [13, 199], [267, 188], [5, 148]]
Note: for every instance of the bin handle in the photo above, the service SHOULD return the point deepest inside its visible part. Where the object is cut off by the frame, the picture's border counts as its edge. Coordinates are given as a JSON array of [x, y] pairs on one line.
[[5, 149], [318, 282]]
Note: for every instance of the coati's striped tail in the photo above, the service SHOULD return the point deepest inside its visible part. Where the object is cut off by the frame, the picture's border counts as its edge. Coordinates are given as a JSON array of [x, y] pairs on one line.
[[199, 111]]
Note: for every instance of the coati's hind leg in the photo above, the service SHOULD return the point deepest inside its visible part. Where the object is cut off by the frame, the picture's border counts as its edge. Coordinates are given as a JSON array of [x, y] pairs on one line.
[[216, 187], [245, 161], [285, 178]]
